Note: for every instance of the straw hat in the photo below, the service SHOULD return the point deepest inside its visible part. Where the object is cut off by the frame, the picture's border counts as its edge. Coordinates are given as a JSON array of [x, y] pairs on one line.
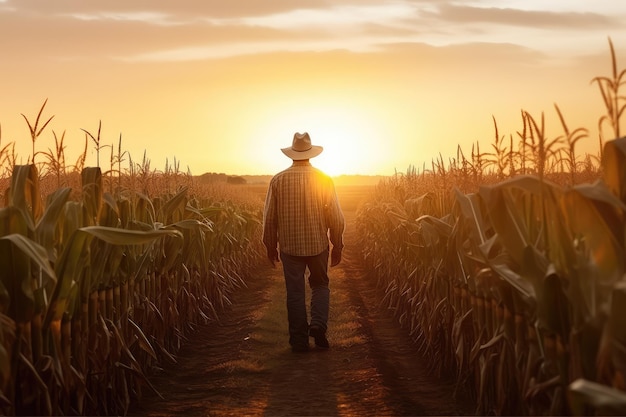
[[301, 148]]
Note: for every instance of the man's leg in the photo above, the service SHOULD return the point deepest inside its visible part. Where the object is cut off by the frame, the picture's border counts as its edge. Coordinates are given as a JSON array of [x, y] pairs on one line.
[[293, 269], [320, 297]]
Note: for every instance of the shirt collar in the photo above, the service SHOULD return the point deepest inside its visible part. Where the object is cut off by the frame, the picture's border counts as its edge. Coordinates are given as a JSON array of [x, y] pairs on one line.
[[303, 163]]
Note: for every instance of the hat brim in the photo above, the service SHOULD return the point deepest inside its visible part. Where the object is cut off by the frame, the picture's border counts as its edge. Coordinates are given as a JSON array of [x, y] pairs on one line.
[[301, 155]]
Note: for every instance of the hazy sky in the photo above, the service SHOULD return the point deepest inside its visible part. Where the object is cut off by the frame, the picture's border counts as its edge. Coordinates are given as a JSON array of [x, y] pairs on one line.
[[222, 85]]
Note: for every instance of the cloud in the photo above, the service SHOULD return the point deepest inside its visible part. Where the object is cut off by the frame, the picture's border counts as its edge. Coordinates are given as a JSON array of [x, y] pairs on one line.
[[109, 35], [525, 18], [140, 17], [180, 9], [162, 30], [183, 32], [332, 17]]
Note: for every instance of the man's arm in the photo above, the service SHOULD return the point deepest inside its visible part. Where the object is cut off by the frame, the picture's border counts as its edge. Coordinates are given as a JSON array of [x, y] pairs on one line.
[[270, 227], [336, 225]]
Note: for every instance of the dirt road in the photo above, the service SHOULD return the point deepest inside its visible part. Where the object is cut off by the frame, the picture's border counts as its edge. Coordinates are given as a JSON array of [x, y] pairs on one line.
[[243, 365]]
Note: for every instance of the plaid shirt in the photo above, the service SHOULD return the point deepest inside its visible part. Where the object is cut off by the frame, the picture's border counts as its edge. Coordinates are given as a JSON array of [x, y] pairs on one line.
[[302, 212]]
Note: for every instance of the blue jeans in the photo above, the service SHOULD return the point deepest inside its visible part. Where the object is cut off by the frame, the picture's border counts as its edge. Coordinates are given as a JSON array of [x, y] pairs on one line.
[[294, 268]]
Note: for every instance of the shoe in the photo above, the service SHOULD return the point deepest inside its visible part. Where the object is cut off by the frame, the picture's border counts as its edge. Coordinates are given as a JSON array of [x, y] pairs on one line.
[[319, 335], [300, 348]]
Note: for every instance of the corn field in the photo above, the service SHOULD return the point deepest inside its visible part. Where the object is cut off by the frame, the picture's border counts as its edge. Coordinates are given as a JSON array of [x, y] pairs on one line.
[[99, 290], [508, 267]]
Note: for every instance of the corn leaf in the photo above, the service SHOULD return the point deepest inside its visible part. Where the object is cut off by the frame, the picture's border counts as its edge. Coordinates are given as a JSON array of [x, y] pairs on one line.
[[437, 228], [523, 286], [143, 340], [92, 194], [472, 212], [617, 324], [109, 212], [594, 217], [127, 237], [47, 225], [17, 256], [13, 220], [33, 250], [25, 193], [5, 366], [72, 219], [69, 271], [614, 167], [515, 210], [554, 305], [176, 203], [604, 399], [144, 210]]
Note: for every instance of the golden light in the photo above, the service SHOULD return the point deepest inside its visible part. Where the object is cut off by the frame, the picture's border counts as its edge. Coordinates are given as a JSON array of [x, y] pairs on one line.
[[342, 150], [350, 137]]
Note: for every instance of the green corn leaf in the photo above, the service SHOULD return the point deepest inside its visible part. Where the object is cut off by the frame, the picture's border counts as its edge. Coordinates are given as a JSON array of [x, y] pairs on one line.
[[515, 209], [172, 247], [599, 203], [47, 225], [604, 399], [5, 365], [144, 210], [212, 212], [25, 194], [614, 167], [33, 250], [5, 298], [472, 212], [13, 220], [617, 324], [176, 203], [554, 305], [109, 212], [75, 258], [92, 194], [190, 224], [128, 237], [594, 217], [106, 268], [72, 219], [195, 232], [17, 256], [69, 271], [143, 340], [523, 286], [35, 376], [437, 228]]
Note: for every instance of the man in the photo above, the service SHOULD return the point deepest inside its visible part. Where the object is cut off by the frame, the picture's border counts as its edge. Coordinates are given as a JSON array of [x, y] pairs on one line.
[[301, 215]]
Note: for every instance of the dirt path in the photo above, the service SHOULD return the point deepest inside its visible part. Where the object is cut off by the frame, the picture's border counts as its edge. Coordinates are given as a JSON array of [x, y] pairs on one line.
[[243, 365]]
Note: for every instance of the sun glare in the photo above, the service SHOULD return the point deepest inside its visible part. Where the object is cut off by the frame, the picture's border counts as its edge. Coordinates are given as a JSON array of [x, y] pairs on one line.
[[348, 135], [342, 150]]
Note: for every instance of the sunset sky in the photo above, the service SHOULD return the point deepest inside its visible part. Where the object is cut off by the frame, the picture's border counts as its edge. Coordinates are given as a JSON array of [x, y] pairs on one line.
[[221, 86]]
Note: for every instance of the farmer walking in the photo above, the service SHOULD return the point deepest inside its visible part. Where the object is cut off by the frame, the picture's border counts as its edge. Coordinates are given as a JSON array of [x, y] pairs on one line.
[[301, 216]]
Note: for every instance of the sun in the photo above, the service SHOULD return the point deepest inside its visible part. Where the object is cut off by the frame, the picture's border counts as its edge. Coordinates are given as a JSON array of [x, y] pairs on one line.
[[344, 153], [350, 137]]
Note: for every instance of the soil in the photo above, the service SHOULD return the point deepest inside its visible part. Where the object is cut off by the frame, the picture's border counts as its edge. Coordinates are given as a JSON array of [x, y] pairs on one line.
[[243, 365]]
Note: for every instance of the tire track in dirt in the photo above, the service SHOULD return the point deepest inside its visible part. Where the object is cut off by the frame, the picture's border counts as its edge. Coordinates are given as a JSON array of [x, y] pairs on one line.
[[242, 365]]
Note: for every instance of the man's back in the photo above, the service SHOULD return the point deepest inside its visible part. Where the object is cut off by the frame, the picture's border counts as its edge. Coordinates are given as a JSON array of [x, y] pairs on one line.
[[301, 207]]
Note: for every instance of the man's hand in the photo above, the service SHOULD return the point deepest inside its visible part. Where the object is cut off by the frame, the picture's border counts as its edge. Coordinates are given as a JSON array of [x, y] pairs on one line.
[[272, 255], [335, 257]]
